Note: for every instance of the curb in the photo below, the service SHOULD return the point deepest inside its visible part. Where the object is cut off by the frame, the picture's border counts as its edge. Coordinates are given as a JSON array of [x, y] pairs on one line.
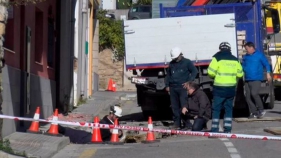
[[37, 145], [6, 155]]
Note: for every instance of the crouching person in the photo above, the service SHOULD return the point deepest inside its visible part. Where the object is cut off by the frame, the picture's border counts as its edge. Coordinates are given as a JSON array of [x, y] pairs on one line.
[[198, 108], [115, 113]]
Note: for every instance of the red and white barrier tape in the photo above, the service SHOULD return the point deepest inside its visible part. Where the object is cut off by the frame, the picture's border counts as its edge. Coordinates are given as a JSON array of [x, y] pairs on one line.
[[135, 128]]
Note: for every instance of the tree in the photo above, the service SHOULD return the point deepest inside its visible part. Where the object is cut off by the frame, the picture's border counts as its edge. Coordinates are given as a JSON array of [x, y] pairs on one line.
[[145, 2], [4, 4], [111, 34]]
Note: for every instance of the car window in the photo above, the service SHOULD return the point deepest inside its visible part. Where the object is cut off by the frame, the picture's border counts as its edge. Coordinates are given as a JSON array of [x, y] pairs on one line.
[[144, 9], [135, 9]]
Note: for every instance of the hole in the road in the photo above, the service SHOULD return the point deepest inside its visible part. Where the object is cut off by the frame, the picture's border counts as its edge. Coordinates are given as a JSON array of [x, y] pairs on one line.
[[139, 136]]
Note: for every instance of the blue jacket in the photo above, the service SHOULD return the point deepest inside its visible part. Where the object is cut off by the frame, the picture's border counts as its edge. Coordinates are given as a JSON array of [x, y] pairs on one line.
[[253, 66]]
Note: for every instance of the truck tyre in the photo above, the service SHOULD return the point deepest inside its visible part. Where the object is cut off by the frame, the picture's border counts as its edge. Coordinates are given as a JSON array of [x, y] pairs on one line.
[[271, 96]]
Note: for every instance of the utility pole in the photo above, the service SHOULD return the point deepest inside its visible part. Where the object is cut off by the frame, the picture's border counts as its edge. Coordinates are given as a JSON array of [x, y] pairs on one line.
[[82, 57], [80, 52], [83, 51]]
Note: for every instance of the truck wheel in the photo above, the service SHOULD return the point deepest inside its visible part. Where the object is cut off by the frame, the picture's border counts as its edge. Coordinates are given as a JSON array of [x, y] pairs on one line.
[[271, 96], [271, 100]]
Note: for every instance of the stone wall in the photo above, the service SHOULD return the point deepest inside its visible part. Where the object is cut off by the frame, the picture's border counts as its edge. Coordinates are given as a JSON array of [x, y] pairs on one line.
[[108, 68]]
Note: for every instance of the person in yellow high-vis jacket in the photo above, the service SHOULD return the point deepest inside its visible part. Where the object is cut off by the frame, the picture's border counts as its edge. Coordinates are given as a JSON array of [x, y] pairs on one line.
[[224, 69]]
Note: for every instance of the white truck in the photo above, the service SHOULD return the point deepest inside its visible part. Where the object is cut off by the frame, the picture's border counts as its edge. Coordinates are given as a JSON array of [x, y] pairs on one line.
[[147, 49]]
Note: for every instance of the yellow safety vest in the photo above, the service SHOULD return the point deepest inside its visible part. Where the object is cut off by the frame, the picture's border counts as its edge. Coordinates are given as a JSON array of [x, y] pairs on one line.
[[225, 69]]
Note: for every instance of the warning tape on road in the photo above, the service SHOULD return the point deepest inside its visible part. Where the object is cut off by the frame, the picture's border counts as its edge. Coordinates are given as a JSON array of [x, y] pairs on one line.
[[145, 129]]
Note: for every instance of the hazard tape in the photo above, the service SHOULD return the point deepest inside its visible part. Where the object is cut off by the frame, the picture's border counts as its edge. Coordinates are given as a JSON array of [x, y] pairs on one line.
[[145, 129]]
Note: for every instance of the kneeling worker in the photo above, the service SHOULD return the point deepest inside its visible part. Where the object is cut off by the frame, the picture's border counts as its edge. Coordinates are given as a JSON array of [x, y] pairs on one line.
[[198, 108], [115, 112], [83, 137]]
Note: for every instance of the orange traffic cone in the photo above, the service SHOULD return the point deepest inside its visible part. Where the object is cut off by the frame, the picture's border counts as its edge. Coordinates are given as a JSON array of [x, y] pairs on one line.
[[114, 87], [114, 136], [150, 135], [96, 136], [54, 129], [110, 85], [34, 127]]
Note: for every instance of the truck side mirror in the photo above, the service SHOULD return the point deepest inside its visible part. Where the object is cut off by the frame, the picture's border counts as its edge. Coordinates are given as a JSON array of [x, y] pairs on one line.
[[275, 20]]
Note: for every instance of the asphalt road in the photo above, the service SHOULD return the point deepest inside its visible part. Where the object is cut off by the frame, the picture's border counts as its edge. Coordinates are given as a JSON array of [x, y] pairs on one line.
[[188, 146]]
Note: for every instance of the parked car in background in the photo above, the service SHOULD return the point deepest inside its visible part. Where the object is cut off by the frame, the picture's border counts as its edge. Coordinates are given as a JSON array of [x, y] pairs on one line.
[[140, 12]]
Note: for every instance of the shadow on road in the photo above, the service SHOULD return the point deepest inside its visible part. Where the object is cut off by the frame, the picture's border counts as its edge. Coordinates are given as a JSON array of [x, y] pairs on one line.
[[275, 112]]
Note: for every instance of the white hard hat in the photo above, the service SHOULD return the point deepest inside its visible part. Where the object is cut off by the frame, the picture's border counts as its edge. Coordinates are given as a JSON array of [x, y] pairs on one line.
[[175, 52], [116, 110]]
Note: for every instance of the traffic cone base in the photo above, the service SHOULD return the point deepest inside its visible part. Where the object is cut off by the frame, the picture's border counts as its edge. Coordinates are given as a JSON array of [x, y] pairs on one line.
[[96, 136], [54, 128], [34, 132], [34, 127], [150, 141], [114, 136], [150, 138]]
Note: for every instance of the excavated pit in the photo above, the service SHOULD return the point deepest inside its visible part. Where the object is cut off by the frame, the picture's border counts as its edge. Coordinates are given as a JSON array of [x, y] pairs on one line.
[[139, 136]]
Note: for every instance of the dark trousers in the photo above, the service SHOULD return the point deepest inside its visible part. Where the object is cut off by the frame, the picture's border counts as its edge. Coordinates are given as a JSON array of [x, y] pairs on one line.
[[252, 96], [218, 104], [198, 125], [178, 97]]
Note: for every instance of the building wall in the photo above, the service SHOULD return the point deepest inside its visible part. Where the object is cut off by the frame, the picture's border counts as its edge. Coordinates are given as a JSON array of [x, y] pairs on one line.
[[67, 20], [42, 77], [108, 69]]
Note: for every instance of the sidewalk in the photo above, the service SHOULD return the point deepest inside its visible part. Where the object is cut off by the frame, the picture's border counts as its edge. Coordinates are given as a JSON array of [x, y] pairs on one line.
[[43, 146]]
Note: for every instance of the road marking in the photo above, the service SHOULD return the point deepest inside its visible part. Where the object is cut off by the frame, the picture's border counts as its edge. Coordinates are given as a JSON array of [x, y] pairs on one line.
[[88, 153], [223, 139], [229, 145], [235, 156], [232, 150]]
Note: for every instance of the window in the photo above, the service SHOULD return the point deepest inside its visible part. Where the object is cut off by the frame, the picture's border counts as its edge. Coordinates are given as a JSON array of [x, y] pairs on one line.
[[38, 35], [144, 9], [135, 9]]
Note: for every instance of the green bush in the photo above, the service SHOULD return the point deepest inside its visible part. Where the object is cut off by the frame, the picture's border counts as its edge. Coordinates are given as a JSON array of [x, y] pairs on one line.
[[6, 147], [144, 2], [111, 34]]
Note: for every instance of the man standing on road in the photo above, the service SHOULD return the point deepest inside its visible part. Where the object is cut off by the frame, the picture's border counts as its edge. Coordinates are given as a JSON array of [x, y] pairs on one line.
[[253, 64], [180, 71], [225, 69], [197, 108]]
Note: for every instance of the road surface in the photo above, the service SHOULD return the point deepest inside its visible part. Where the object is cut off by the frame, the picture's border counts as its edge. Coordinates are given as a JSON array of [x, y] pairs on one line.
[[188, 146]]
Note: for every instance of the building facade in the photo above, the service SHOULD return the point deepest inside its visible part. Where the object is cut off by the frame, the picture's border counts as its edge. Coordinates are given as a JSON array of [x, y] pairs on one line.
[[39, 53], [46, 45]]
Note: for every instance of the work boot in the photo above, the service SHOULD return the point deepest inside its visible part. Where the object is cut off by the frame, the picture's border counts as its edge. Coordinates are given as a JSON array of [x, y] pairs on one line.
[[261, 114], [252, 116], [187, 128], [175, 127]]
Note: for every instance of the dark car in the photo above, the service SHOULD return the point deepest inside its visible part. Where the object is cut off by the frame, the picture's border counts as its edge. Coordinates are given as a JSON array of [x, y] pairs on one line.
[[140, 12]]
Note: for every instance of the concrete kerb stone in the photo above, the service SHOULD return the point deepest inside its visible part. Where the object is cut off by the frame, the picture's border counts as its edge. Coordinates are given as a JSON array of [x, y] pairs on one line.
[[35, 145], [128, 97], [6, 155]]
